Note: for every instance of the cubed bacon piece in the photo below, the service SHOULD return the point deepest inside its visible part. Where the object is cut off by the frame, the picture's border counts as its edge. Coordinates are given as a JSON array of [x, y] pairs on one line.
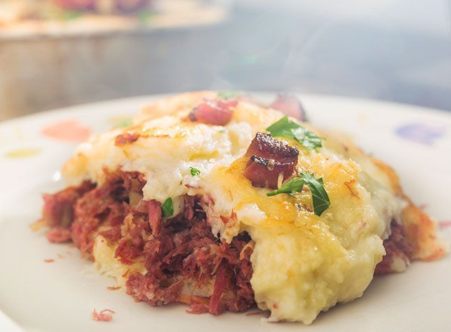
[[269, 159], [126, 138], [154, 210], [264, 172], [266, 146], [289, 105], [213, 112]]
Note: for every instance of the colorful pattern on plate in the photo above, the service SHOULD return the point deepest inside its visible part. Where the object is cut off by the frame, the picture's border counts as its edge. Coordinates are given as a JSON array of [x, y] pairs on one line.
[[67, 130], [444, 224], [23, 153], [421, 133]]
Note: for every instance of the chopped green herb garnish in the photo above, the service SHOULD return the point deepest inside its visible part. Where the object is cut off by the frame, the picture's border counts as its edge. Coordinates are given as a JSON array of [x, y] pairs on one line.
[[124, 124], [145, 16], [69, 15], [290, 129], [321, 201], [307, 138], [194, 171], [168, 208], [292, 186], [228, 94]]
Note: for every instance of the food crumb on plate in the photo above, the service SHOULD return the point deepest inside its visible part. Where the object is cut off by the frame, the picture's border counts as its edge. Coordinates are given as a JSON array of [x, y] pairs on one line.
[[105, 315]]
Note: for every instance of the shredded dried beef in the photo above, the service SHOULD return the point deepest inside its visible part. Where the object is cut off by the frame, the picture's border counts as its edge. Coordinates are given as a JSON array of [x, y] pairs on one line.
[[185, 261], [395, 246]]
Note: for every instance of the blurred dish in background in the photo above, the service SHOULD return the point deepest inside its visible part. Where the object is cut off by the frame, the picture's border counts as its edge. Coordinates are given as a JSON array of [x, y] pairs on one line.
[[84, 53], [25, 18]]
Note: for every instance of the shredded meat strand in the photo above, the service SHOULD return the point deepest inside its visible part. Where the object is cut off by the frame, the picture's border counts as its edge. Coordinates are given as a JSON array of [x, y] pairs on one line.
[[395, 246], [185, 262], [105, 315], [58, 234]]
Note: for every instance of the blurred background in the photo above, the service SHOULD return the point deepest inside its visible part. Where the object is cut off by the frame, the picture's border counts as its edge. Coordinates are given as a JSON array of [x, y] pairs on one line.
[[56, 53]]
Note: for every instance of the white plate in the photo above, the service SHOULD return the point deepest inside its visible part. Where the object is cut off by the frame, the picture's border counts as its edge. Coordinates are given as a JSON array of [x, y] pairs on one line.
[[60, 296]]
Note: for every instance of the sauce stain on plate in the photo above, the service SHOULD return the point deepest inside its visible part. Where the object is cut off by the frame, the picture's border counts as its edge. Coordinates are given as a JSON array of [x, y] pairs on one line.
[[67, 130]]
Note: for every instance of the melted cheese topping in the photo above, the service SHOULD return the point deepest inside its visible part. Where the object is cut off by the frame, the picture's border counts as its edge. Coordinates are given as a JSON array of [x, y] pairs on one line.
[[303, 264]]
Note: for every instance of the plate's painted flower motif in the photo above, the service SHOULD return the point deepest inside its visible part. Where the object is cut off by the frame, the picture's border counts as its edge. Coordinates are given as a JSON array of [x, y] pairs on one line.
[[23, 153], [67, 130], [421, 133], [444, 224]]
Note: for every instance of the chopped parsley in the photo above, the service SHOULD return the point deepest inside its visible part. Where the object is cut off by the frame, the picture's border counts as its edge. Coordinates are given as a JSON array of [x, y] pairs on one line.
[[69, 15], [321, 201], [125, 123], [194, 171], [228, 94], [167, 208], [290, 187], [290, 129]]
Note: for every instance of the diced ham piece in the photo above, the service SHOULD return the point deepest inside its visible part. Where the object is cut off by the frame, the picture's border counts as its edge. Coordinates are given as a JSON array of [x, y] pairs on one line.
[[269, 159], [213, 112], [154, 210], [289, 105]]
